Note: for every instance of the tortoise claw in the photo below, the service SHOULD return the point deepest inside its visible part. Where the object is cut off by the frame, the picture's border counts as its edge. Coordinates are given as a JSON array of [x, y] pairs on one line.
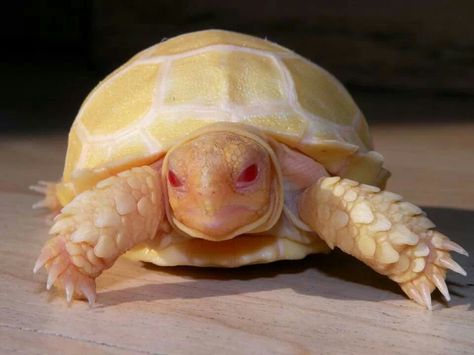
[[412, 292], [38, 265], [55, 270], [89, 292], [40, 204], [63, 273], [436, 262], [43, 258], [452, 246], [450, 264], [419, 290], [441, 285], [48, 189], [69, 288], [425, 293], [41, 187]]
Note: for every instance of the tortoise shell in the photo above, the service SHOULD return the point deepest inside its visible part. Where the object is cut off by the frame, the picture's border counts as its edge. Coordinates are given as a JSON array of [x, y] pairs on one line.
[[179, 85]]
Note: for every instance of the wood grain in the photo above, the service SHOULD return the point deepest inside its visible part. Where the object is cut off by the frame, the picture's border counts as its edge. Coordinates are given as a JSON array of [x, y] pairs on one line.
[[322, 304]]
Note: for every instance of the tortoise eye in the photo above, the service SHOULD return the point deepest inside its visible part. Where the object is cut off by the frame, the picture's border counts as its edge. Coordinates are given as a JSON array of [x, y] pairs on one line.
[[248, 175], [173, 179]]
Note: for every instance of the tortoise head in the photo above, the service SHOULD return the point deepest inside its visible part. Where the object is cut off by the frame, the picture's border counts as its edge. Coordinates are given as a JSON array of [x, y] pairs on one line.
[[222, 182]]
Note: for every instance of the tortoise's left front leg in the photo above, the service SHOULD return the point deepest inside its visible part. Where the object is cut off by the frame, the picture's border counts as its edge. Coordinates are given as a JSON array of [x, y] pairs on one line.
[[391, 236], [98, 226]]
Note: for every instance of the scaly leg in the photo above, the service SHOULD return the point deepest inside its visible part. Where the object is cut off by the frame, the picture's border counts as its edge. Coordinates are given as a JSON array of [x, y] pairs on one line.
[[98, 226], [391, 236]]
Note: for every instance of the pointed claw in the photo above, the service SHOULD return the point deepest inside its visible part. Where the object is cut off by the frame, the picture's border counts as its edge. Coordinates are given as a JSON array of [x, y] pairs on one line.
[[425, 295], [41, 186], [47, 254], [39, 204], [39, 189], [452, 246], [51, 279], [38, 265], [69, 287], [452, 265], [43, 258], [441, 285], [88, 289], [413, 293], [55, 271]]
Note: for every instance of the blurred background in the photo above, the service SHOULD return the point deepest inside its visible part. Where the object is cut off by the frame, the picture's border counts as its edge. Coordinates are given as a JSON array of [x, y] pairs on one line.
[[401, 60]]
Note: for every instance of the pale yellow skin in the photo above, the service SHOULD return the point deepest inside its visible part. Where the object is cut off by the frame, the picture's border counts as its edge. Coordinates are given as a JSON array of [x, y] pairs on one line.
[[209, 200], [118, 193]]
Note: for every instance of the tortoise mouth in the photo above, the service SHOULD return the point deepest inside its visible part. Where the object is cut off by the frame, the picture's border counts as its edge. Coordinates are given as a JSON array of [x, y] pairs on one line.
[[204, 227], [220, 225]]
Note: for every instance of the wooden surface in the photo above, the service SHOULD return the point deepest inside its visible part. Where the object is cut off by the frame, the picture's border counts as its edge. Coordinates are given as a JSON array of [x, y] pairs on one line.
[[322, 304]]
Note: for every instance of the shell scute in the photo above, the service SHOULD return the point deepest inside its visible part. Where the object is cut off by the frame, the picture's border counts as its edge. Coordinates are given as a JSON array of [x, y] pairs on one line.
[[321, 94], [120, 101]]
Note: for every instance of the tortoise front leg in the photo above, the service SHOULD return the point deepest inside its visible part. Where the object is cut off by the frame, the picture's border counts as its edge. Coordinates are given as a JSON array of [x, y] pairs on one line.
[[98, 226], [391, 236]]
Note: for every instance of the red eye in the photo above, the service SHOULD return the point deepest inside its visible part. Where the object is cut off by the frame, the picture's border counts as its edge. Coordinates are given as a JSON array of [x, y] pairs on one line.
[[248, 175], [174, 180]]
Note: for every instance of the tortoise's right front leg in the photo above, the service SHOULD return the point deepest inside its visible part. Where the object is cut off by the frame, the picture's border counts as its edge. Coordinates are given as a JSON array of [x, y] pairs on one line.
[[98, 226]]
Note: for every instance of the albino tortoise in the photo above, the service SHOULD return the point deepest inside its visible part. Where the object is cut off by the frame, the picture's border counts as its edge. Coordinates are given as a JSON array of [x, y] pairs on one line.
[[220, 149]]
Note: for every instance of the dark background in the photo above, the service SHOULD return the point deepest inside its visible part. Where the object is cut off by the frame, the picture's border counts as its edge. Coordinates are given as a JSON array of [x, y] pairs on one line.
[[401, 60]]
